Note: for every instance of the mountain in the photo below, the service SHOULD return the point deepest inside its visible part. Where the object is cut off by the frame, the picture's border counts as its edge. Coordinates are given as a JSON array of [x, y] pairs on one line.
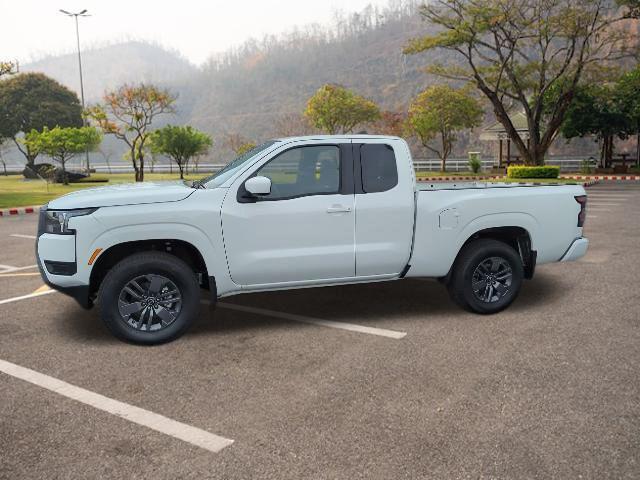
[[251, 89], [259, 89], [110, 66]]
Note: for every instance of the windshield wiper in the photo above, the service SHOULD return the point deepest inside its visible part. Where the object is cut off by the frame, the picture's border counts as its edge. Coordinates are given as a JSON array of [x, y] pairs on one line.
[[197, 184]]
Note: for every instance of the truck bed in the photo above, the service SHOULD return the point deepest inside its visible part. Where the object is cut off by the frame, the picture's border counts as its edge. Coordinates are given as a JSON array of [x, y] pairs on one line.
[[448, 214]]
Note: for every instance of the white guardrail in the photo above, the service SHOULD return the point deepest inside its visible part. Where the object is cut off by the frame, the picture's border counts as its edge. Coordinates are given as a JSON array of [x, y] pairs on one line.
[[567, 164]]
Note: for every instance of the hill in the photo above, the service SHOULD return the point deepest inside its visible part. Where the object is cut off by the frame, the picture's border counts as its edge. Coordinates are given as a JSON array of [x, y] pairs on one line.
[[259, 89], [112, 65], [252, 88]]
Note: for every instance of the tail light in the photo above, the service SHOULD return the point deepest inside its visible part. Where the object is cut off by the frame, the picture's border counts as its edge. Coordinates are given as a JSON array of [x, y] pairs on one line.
[[582, 200]]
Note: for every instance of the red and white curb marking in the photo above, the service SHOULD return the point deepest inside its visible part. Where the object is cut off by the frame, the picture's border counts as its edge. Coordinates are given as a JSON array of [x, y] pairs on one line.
[[18, 211], [589, 180], [456, 179], [633, 178]]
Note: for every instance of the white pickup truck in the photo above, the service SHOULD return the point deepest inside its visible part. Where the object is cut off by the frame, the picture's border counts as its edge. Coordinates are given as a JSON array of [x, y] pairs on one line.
[[299, 212]]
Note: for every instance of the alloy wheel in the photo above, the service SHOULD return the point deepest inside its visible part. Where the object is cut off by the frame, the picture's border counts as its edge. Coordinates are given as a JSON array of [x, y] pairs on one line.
[[149, 302], [491, 279]]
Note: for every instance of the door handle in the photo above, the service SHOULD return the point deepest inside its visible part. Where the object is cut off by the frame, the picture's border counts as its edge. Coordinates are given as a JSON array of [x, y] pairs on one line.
[[338, 209]]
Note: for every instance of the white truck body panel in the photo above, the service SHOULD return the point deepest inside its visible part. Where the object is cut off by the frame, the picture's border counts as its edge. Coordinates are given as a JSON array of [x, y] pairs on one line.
[[323, 239]]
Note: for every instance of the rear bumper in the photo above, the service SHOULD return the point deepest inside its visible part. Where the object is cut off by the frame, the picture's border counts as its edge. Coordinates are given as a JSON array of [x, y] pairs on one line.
[[577, 249]]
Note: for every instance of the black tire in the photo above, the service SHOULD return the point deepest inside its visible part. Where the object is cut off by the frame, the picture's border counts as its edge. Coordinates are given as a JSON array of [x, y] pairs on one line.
[[181, 308], [475, 264]]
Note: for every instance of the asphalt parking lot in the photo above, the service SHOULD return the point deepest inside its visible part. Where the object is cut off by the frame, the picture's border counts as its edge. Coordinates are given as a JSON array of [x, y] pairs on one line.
[[409, 387]]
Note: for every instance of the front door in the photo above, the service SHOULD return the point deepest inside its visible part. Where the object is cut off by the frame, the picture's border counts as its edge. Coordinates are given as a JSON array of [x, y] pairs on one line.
[[304, 229]]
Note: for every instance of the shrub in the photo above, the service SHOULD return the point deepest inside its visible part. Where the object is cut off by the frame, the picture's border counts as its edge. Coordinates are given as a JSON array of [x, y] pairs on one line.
[[474, 162], [50, 173], [543, 171], [41, 171], [586, 166]]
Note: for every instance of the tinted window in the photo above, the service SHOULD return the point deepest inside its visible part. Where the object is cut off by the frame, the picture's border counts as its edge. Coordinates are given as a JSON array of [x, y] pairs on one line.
[[303, 171], [378, 164]]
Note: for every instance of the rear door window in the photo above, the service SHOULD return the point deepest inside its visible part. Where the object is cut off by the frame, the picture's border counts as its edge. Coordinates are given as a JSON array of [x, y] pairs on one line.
[[378, 167]]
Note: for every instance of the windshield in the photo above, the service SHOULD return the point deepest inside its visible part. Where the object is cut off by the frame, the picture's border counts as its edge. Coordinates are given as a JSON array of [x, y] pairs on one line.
[[221, 176]]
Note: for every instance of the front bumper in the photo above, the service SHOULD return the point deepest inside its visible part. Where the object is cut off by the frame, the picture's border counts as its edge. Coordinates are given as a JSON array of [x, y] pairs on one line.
[[80, 293], [577, 249], [57, 251]]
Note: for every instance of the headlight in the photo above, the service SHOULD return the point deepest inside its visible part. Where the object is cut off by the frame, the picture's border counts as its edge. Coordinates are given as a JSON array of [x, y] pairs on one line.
[[57, 221]]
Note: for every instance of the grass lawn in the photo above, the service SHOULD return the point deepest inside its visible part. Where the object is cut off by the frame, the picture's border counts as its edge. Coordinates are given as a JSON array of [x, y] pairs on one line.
[[16, 191]]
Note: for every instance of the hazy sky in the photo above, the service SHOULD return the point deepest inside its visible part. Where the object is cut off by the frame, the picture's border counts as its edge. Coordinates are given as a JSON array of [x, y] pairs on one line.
[[32, 28]]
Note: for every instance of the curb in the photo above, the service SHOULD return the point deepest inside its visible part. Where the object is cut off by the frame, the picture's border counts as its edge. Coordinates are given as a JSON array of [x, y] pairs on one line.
[[590, 183], [633, 178], [18, 211], [456, 178], [587, 183]]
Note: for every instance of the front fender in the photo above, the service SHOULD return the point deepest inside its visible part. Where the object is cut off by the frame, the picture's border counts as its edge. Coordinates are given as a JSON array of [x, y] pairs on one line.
[[159, 231]]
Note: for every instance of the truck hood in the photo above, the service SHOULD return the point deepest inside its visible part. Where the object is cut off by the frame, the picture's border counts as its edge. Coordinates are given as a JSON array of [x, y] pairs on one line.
[[123, 194]]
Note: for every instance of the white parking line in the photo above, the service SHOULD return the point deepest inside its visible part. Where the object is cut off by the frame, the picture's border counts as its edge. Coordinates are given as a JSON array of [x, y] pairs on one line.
[[381, 332], [25, 297], [9, 268], [612, 195], [20, 235], [22, 274], [159, 423]]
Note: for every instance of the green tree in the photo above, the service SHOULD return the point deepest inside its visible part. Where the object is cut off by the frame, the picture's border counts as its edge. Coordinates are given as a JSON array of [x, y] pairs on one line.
[[128, 113], [515, 50], [32, 101], [180, 144], [596, 110], [442, 111], [63, 143], [628, 94], [335, 109]]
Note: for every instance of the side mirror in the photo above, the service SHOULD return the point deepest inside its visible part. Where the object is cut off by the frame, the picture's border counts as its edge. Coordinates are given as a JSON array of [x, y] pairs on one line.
[[258, 186]]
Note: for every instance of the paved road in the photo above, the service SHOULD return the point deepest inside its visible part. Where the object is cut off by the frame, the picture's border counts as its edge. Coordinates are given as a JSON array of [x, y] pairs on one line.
[[548, 389]]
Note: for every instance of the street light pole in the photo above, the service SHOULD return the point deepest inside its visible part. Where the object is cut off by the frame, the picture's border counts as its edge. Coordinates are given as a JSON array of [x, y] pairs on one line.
[[83, 13]]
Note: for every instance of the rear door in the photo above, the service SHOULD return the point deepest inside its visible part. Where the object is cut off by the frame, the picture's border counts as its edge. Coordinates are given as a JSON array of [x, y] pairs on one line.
[[303, 231], [384, 206]]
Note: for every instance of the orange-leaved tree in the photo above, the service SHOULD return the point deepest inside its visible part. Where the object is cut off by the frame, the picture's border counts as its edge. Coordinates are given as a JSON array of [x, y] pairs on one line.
[[128, 112]]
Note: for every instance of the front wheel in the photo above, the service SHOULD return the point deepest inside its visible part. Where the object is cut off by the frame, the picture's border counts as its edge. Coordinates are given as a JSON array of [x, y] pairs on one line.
[[486, 277], [149, 298]]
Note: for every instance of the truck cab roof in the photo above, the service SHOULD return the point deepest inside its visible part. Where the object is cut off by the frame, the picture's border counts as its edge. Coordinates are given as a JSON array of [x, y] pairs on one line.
[[354, 136]]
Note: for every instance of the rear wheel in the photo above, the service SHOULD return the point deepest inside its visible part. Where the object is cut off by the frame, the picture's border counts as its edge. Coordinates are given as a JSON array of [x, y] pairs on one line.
[[149, 298], [486, 277]]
